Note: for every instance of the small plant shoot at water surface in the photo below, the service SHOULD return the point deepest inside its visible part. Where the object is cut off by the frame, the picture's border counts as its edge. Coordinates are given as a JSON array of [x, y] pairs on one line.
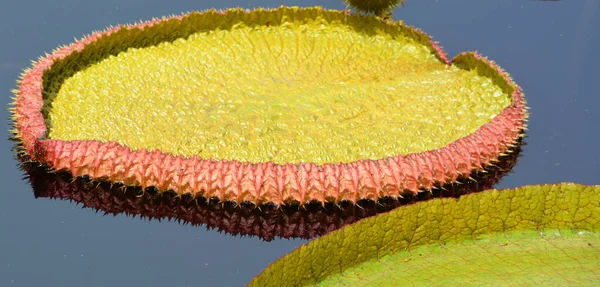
[[274, 112], [381, 8]]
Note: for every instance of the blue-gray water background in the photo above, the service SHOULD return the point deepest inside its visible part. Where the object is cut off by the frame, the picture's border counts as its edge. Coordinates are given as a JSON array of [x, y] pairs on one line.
[[550, 48]]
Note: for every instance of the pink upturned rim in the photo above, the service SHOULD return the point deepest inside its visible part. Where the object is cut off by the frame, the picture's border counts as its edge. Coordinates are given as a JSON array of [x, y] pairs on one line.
[[266, 182]]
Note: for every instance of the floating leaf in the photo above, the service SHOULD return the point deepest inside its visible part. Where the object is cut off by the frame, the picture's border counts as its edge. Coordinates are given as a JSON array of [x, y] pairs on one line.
[[289, 105], [528, 236]]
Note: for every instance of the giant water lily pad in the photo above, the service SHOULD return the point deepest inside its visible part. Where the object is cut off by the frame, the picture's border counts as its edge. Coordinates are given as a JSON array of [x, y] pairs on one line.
[[267, 106], [534, 235]]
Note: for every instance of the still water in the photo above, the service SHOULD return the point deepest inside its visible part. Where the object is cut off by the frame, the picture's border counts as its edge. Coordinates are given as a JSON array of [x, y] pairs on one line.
[[549, 47]]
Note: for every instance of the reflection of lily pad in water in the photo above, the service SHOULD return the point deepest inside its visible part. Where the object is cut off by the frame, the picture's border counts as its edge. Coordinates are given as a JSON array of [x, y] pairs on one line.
[[284, 105], [544, 235]]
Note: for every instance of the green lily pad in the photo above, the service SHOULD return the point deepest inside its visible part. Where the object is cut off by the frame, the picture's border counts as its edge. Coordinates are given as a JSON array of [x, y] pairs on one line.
[[546, 234], [284, 106]]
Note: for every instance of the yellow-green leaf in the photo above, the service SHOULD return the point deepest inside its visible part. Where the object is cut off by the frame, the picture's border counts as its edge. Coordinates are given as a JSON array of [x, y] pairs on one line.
[[546, 234], [310, 86]]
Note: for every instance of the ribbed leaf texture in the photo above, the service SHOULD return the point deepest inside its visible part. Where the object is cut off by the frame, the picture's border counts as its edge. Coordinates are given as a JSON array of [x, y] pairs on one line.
[[542, 235]]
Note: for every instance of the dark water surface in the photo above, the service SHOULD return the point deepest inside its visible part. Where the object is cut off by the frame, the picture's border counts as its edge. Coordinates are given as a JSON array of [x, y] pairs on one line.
[[550, 48]]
